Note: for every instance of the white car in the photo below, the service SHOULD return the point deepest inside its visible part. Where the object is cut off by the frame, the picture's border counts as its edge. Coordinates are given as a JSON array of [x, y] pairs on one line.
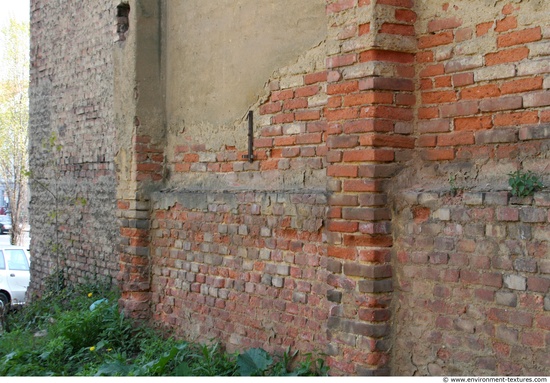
[[14, 274]]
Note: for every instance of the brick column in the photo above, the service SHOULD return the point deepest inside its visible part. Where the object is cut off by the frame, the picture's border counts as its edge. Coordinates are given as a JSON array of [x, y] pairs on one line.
[[140, 155], [369, 111], [134, 275]]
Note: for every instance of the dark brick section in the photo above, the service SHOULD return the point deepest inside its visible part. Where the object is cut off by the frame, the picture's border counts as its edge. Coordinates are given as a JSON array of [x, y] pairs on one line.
[[492, 282], [71, 100]]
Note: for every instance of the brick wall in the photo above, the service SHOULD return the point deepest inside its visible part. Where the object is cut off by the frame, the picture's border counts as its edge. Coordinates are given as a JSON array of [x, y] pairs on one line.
[[473, 274], [71, 99], [247, 268], [343, 235], [483, 90]]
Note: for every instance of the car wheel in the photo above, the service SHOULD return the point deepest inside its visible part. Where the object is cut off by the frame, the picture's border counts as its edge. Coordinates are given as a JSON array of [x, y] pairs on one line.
[[4, 298]]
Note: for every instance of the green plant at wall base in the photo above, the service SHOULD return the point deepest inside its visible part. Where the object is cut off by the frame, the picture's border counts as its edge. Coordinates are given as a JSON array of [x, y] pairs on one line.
[[79, 331], [524, 184]]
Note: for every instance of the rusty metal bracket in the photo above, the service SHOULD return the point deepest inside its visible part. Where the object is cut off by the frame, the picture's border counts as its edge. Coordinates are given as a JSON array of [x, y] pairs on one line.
[[250, 155]]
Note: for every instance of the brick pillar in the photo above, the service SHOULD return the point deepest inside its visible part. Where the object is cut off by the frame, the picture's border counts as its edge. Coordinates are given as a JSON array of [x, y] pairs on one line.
[[134, 275], [140, 155], [369, 111]]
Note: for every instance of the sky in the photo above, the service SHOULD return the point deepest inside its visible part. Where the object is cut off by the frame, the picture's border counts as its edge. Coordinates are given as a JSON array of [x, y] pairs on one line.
[[18, 9]]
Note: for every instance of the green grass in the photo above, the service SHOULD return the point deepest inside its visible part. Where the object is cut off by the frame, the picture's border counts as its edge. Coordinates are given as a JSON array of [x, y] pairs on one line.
[[79, 332]]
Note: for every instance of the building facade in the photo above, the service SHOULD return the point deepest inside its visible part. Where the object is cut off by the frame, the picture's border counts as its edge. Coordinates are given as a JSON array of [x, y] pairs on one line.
[[327, 175]]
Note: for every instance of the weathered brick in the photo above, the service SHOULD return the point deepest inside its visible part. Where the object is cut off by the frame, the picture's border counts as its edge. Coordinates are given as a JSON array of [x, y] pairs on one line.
[[493, 136], [515, 282]]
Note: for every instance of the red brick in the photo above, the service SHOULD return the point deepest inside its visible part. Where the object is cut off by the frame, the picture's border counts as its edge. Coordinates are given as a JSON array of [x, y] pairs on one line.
[[334, 102], [397, 29], [282, 95], [387, 112], [434, 40], [123, 205], [283, 118], [506, 56], [364, 29], [438, 97], [437, 154], [437, 25], [307, 115], [342, 171], [307, 91], [443, 82], [518, 118], [362, 155], [386, 55], [296, 103], [343, 200], [432, 70], [463, 79], [483, 28], [506, 24], [362, 185], [340, 61], [264, 142], [340, 5], [532, 339], [270, 108], [405, 15], [481, 91], [519, 37], [426, 141], [428, 113], [366, 213], [364, 126], [342, 252], [368, 98], [461, 108], [375, 256], [149, 167], [455, 139], [386, 83], [368, 240], [523, 85], [543, 321], [309, 138], [425, 57], [392, 141], [434, 126], [397, 3], [283, 141], [463, 34], [141, 139], [314, 78], [343, 141], [473, 123], [343, 88], [507, 214], [405, 99], [270, 131]]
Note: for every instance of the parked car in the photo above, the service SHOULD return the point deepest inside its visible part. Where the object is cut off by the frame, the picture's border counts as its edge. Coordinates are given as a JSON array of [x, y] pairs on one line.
[[5, 224], [14, 274]]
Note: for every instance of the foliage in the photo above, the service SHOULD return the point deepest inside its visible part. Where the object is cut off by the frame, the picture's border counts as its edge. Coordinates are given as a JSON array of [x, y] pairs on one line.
[[79, 331], [14, 119], [524, 184]]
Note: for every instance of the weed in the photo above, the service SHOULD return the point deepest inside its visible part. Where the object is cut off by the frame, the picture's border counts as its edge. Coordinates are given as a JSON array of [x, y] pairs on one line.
[[452, 184], [524, 184], [79, 331]]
